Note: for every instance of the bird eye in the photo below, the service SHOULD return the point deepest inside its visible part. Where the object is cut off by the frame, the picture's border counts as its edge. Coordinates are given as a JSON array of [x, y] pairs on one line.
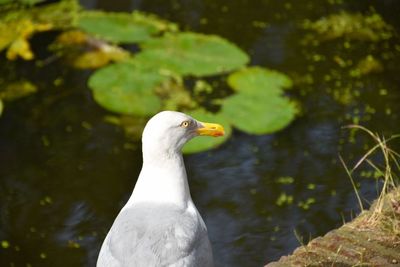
[[185, 124]]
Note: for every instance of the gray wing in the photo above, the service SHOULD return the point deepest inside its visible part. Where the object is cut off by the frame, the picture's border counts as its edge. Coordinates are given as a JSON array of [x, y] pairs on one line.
[[153, 235]]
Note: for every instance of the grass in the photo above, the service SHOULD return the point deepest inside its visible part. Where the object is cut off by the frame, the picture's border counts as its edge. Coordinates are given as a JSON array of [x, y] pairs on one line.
[[373, 237], [387, 205]]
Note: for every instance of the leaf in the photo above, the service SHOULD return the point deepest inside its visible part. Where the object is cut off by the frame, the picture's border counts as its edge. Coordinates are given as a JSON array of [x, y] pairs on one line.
[[258, 114], [8, 35], [156, 22], [116, 27], [126, 88], [192, 54], [175, 96], [258, 107], [1, 107], [83, 51], [97, 59], [73, 38], [203, 143], [15, 35], [255, 80], [17, 90], [2, 2], [19, 47], [31, 2], [61, 15]]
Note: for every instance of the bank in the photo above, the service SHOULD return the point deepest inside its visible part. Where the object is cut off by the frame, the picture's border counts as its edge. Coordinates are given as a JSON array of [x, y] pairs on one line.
[[371, 239]]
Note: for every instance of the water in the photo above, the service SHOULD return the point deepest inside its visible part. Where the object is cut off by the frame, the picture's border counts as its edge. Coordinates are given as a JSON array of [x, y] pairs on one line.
[[65, 173]]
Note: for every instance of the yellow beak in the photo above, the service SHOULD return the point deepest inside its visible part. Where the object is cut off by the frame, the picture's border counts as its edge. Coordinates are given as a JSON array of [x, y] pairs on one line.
[[210, 129]]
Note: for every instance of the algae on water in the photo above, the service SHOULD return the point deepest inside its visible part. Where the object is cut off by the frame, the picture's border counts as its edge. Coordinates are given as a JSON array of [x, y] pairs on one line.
[[351, 26]]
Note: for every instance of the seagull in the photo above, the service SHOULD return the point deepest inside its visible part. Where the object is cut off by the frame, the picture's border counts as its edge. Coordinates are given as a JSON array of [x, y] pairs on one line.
[[160, 225]]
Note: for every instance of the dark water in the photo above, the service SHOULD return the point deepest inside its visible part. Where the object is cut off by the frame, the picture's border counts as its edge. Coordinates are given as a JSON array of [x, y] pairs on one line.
[[65, 173]]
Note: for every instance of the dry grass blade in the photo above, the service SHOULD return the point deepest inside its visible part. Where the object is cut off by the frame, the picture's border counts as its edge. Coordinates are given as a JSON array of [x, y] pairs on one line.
[[349, 173], [390, 158]]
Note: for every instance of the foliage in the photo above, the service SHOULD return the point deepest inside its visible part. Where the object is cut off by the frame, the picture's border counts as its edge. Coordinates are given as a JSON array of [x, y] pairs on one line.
[[207, 142], [121, 27], [258, 115], [256, 79], [83, 51], [126, 88], [138, 85], [175, 96], [17, 26], [192, 54], [15, 36], [258, 107], [24, 2]]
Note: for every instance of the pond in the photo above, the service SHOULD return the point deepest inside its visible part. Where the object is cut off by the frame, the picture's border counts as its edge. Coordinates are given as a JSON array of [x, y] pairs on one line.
[[65, 173]]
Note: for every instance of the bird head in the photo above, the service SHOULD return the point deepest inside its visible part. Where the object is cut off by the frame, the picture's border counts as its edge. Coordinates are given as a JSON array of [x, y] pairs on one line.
[[171, 130]]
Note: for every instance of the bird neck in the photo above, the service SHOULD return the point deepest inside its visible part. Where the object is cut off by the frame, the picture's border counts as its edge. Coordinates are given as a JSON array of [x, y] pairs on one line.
[[162, 179]]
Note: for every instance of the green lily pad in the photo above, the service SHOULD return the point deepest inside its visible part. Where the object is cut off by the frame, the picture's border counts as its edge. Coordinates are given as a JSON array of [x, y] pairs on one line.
[[255, 80], [203, 143], [116, 27], [31, 2], [258, 107], [150, 19], [2, 2], [126, 88], [192, 54], [258, 114]]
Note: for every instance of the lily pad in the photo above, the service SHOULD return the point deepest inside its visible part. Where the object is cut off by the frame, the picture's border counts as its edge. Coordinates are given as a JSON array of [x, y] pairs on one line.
[[175, 96], [116, 27], [192, 54], [256, 114], [31, 2], [256, 80], [126, 88], [258, 107], [84, 51], [99, 58], [152, 20], [203, 143]]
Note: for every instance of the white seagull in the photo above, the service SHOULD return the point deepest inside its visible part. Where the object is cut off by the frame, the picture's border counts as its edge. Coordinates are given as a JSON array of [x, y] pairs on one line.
[[160, 225]]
